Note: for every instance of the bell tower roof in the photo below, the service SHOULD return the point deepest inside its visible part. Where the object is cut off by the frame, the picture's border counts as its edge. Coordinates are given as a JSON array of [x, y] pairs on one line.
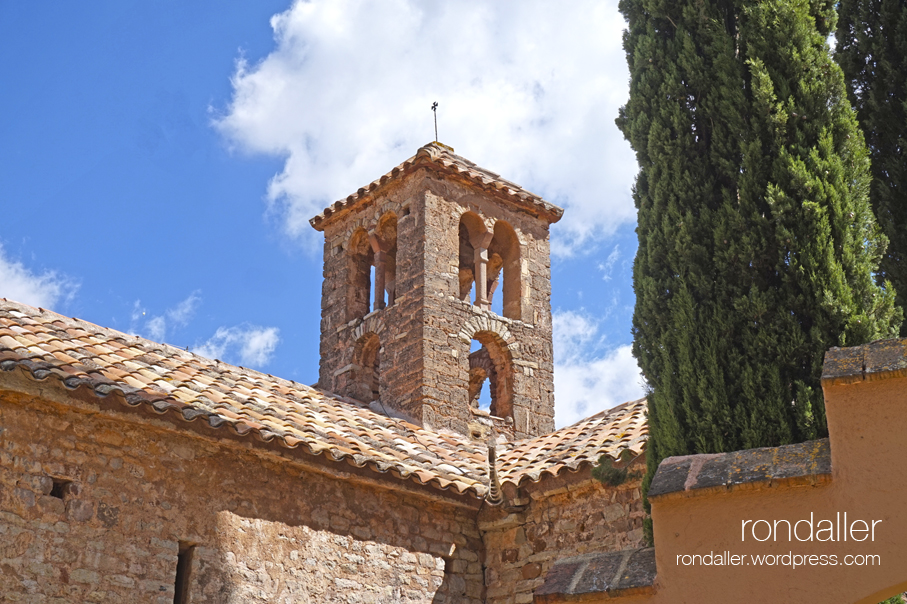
[[442, 159]]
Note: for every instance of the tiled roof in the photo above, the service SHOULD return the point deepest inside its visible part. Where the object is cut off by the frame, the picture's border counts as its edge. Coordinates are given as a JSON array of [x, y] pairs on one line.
[[170, 380], [609, 432], [442, 159]]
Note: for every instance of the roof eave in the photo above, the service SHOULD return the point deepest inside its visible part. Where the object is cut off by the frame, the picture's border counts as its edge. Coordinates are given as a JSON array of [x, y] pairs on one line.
[[433, 157], [24, 375]]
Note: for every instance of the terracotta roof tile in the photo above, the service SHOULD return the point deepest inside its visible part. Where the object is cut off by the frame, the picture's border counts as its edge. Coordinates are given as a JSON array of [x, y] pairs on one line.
[[606, 433], [442, 158], [171, 380]]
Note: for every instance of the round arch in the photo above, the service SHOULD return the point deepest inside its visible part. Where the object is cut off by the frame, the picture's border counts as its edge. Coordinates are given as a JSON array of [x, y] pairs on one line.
[[505, 249], [386, 232], [360, 258], [471, 231], [366, 372]]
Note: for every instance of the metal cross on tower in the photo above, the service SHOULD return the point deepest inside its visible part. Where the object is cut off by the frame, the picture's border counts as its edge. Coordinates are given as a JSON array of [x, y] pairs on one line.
[[434, 108]]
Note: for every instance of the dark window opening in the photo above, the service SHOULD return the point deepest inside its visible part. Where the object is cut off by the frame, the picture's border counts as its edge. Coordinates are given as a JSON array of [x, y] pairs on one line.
[[60, 488], [183, 570]]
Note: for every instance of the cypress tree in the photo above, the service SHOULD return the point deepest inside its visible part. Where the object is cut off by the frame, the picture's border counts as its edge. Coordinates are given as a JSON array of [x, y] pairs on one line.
[[756, 240], [872, 51]]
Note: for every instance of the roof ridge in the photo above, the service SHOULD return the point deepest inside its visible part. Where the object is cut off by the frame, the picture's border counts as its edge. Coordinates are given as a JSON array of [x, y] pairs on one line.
[[441, 156]]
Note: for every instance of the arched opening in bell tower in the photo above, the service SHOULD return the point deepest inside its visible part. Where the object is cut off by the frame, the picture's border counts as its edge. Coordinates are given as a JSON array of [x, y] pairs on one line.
[[504, 266], [494, 259], [386, 260], [482, 377], [490, 375], [471, 231], [359, 277]]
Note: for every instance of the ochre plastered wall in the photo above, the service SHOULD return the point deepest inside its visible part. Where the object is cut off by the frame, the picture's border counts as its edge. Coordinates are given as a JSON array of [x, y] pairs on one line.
[[867, 422], [266, 529], [426, 334]]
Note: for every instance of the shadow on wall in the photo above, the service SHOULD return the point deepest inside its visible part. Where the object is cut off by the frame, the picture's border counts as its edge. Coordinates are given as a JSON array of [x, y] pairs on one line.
[[334, 539], [248, 525]]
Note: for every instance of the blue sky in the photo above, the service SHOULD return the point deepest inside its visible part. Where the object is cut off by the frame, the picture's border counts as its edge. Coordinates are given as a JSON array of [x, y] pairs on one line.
[[159, 160]]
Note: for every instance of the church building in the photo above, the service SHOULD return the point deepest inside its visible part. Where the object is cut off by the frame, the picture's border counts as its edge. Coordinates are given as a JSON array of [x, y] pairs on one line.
[[133, 471]]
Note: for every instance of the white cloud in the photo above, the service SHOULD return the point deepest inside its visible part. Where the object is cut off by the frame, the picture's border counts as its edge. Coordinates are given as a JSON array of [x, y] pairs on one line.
[[156, 327], [608, 265], [246, 344], [45, 290], [183, 312], [588, 377], [527, 88]]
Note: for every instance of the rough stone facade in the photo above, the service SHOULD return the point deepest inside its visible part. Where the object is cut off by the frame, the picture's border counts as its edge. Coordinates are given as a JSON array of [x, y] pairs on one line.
[[444, 229], [569, 516], [264, 529]]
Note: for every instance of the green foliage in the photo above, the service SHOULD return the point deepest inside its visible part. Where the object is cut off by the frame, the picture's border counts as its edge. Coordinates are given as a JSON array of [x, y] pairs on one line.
[[898, 599], [872, 51], [757, 244], [607, 473]]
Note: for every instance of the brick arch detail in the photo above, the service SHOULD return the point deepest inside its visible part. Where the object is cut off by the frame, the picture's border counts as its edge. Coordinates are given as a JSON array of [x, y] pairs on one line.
[[495, 327], [370, 324], [470, 204]]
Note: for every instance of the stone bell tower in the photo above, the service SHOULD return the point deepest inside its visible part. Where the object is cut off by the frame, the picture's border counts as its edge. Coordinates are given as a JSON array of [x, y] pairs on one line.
[[434, 260]]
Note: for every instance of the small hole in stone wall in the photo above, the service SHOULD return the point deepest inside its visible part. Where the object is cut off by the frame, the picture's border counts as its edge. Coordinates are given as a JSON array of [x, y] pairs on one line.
[[60, 488], [404, 212], [183, 568]]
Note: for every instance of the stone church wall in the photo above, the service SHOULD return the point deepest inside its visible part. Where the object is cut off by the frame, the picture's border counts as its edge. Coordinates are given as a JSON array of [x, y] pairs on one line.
[[261, 528], [566, 516]]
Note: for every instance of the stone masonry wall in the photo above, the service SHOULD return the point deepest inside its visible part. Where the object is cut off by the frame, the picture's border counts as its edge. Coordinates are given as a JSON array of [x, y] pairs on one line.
[[426, 334], [400, 357], [265, 529], [450, 323], [566, 516]]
